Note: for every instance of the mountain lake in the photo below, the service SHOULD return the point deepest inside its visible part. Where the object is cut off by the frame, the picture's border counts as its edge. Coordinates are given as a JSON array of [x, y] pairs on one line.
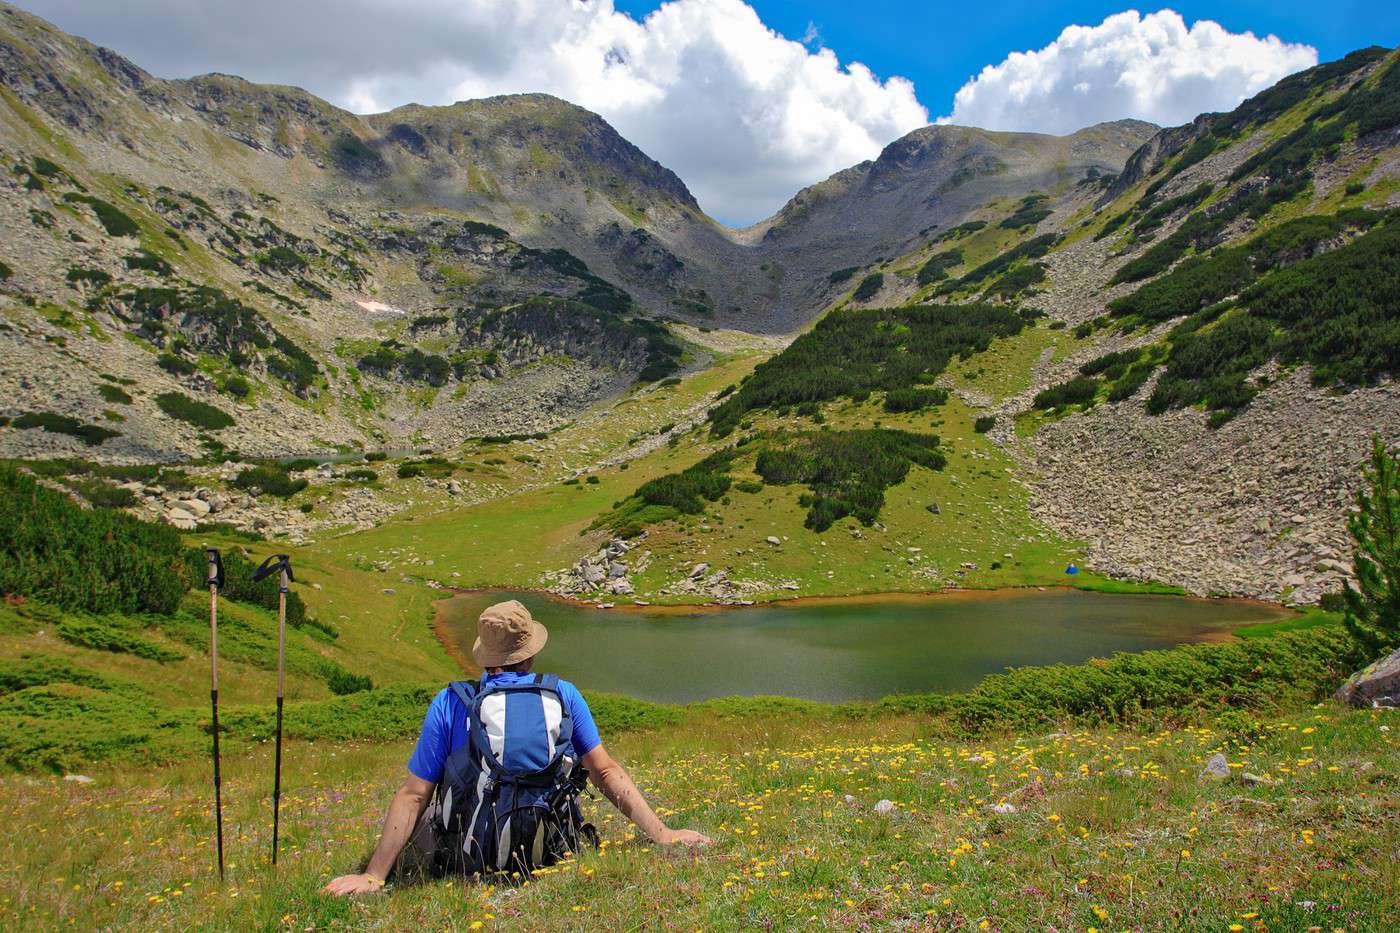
[[857, 648]]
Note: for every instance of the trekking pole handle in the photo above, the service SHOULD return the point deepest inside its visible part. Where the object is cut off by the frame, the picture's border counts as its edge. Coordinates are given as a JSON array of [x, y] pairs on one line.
[[274, 564], [216, 567]]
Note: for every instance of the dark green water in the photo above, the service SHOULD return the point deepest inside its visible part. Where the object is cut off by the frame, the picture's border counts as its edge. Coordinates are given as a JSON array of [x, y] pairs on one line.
[[851, 649]]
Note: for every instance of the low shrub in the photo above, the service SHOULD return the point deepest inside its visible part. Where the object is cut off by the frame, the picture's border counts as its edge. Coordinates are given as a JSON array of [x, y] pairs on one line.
[[200, 414], [89, 434], [113, 394], [1078, 391], [96, 560], [869, 286], [984, 423], [104, 494], [113, 220], [109, 634], [270, 480], [914, 399], [175, 365], [1180, 683], [846, 471]]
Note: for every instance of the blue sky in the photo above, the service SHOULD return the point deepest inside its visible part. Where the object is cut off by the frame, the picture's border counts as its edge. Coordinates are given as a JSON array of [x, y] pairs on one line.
[[915, 39], [726, 93]]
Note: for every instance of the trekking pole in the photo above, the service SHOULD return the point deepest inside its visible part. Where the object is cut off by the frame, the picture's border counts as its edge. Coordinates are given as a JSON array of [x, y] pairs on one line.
[[282, 564], [216, 581]]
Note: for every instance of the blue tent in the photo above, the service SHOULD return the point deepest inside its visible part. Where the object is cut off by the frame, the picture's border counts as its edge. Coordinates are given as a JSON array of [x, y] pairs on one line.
[[1071, 570]]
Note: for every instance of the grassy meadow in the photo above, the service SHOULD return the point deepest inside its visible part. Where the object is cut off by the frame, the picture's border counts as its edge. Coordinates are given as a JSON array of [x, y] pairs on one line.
[[1079, 829]]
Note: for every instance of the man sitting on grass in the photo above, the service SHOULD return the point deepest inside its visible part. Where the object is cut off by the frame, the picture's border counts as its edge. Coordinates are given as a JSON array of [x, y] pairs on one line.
[[508, 640]]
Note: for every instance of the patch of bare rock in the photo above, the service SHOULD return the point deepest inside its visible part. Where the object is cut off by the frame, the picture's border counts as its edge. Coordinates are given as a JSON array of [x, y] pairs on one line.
[[1256, 508]]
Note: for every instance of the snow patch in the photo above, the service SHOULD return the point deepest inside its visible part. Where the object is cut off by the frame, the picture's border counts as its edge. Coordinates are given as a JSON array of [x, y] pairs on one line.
[[379, 307]]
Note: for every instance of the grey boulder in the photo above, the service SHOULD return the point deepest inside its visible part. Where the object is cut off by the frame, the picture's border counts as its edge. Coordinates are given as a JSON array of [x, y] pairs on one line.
[[1375, 685]]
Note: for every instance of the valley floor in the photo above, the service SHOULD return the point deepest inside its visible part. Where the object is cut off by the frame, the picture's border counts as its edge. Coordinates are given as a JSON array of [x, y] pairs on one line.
[[1086, 830]]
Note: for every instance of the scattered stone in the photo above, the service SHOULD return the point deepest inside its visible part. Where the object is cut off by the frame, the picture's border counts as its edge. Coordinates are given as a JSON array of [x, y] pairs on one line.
[[932, 508], [177, 517], [1216, 768], [78, 778], [698, 571], [884, 807], [773, 539], [1003, 808], [1255, 780], [388, 591]]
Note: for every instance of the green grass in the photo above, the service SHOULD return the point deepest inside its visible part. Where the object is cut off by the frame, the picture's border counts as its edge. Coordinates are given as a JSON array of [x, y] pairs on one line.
[[1111, 829], [1308, 619]]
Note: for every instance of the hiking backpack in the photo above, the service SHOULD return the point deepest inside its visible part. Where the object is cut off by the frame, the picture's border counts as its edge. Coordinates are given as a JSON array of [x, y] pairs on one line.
[[508, 798]]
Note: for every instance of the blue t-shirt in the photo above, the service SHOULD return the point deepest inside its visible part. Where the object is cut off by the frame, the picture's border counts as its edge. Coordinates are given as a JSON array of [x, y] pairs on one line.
[[445, 726]]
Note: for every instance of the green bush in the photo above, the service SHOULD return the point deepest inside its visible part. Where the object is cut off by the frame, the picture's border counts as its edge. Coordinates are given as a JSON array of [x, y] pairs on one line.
[[1253, 674], [1016, 281], [1112, 365], [108, 634], [914, 398], [237, 386], [362, 476], [1078, 391], [1028, 213], [273, 481], [1033, 248], [112, 219], [146, 261], [842, 275], [341, 682], [103, 494], [984, 423], [96, 560], [175, 365], [113, 394], [89, 434], [61, 726], [937, 267], [95, 278], [199, 414], [852, 353], [869, 286], [42, 670], [846, 471]]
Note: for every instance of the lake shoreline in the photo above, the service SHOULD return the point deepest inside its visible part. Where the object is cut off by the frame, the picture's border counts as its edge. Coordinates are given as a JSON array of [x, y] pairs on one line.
[[460, 652]]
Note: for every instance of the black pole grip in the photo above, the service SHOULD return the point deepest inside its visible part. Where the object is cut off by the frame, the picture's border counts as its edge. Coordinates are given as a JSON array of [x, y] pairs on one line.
[[273, 564], [217, 560]]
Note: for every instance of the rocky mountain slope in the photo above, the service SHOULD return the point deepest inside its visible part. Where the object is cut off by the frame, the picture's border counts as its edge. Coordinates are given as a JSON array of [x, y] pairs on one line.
[[327, 280], [1181, 367], [1169, 345]]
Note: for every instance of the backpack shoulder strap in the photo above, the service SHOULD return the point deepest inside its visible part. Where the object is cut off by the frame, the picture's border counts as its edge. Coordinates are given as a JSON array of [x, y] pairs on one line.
[[465, 691]]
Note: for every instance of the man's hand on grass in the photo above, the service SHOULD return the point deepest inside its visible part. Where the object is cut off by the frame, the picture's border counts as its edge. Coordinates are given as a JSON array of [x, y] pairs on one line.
[[353, 884], [684, 837]]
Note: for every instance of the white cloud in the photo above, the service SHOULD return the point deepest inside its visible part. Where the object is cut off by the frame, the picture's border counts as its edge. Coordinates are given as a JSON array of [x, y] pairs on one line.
[[744, 115], [1151, 67]]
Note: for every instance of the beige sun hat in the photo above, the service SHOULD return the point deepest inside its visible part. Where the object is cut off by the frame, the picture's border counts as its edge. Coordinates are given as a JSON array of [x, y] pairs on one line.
[[507, 634]]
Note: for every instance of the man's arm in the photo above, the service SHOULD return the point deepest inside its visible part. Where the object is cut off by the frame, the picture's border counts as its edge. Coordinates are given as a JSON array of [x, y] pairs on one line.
[[405, 809], [617, 785]]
